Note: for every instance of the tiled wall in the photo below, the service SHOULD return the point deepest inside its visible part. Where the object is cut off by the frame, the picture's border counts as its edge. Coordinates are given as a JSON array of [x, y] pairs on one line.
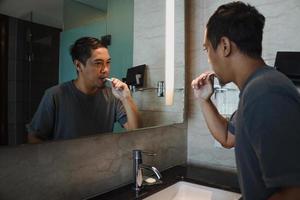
[[74, 169], [280, 34], [149, 49]]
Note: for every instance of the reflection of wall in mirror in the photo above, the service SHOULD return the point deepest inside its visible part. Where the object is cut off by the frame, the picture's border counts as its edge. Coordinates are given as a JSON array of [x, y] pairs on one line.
[[149, 48], [78, 13], [48, 12]]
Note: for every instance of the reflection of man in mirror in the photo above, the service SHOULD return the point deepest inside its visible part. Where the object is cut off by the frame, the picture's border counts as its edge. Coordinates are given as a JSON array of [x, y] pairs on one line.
[[85, 105]]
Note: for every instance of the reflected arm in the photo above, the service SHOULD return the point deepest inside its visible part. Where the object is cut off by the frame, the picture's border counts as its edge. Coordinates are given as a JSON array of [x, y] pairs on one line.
[[32, 139], [291, 193], [133, 118], [120, 90]]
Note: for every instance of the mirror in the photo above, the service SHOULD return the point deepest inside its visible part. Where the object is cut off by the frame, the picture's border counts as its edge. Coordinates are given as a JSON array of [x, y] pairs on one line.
[[38, 36]]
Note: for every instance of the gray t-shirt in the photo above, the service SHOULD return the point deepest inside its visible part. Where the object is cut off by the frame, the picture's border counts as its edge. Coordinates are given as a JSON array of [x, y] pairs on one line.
[[65, 112], [267, 133]]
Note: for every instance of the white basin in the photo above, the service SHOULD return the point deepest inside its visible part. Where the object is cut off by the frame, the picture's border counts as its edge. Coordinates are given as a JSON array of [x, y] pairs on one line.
[[188, 191]]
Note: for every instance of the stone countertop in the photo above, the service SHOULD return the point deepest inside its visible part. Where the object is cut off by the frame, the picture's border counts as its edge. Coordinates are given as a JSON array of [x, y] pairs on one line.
[[200, 175]]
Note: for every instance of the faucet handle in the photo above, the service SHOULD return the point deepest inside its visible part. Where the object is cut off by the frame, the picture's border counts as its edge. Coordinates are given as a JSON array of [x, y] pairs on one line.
[[137, 153], [149, 153]]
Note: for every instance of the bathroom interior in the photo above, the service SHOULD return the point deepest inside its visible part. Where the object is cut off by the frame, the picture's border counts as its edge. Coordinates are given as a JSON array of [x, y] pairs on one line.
[[35, 48]]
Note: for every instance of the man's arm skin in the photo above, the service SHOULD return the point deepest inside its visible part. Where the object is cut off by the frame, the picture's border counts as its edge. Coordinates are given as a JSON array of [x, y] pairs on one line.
[[289, 193], [216, 123], [32, 139], [132, 114]]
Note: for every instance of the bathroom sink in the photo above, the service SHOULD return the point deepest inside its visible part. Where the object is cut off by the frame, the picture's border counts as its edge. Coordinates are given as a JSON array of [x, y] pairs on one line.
[[188, 191]]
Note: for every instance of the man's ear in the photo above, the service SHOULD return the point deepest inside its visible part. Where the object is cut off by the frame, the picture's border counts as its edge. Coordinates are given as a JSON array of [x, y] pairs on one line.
[[226, 46], [78, 65]]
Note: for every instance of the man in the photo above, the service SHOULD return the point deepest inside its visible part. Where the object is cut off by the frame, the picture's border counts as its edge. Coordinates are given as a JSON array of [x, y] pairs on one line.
[[85, 105], [265, 129]]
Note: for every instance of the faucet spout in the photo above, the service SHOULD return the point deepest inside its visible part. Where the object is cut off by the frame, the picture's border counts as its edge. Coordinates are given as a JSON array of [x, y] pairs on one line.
[[138, 167], [153, 169]]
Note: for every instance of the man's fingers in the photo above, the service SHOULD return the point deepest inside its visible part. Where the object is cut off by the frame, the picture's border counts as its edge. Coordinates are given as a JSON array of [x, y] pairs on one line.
[[117, 84], [195, 84], [203, 79]]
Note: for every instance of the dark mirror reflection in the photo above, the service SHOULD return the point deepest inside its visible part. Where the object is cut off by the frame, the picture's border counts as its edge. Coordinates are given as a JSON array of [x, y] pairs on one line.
[[35, 40], [32, 66]]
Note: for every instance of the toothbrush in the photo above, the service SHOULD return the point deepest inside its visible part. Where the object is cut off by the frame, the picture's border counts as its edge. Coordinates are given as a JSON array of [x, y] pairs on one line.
[[108, 79], [111, 85], [109, 82]]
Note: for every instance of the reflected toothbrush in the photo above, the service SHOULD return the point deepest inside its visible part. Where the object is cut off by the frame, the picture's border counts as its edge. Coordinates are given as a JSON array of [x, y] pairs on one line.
[[108, 82], [109, 79]]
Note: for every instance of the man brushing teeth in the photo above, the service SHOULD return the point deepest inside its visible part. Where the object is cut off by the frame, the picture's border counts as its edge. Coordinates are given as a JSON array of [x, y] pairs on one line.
[[84, 106]]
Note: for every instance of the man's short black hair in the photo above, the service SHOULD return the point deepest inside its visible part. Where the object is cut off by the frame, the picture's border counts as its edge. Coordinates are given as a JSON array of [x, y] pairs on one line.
[[82, 48], [241, 23]]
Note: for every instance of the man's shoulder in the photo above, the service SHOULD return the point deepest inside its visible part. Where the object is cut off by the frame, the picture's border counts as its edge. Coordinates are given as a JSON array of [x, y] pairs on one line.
[[267, 80], [267, 83], [268, 76], [59, 89]]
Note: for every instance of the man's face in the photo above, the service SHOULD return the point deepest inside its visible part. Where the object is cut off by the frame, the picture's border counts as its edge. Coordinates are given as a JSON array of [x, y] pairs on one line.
[[215, 59], [97, 68]]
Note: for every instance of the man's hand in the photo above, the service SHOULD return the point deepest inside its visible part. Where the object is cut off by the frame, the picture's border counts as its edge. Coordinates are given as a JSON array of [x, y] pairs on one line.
[[203, 86], [32, 139], [289, 193], [217, 124], [120, 89]]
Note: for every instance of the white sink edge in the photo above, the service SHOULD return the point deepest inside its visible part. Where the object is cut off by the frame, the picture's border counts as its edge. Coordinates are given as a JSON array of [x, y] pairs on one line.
[[183, 190]]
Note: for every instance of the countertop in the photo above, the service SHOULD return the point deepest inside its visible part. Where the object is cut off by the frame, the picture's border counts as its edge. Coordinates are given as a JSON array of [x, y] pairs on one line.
[[200, 175]]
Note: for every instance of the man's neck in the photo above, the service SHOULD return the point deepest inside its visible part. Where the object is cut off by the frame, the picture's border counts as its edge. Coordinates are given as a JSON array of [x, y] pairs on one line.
[[244, 68], [84, 88]]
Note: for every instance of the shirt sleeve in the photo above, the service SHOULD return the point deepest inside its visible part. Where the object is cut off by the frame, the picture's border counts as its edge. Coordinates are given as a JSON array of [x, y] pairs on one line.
[[121, 113], [231, 123], [43, 120], [273, 129]]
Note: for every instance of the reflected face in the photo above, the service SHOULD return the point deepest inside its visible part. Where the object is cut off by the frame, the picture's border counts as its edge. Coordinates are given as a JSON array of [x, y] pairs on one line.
[[96, 68], [215, 59]]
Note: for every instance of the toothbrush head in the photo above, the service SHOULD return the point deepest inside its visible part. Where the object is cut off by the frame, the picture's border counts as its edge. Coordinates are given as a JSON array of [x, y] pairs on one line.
[[108, 82], [108, 79]]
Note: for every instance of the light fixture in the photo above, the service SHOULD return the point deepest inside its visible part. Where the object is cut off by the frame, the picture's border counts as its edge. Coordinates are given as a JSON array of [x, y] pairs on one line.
[[169, 51]]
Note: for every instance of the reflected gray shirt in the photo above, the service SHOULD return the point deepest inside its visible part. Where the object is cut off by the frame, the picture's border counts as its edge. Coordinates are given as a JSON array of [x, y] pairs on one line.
[[65, 112]]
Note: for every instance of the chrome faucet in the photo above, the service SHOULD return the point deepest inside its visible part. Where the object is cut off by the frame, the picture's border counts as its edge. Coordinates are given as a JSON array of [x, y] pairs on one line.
[[138, 167]]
